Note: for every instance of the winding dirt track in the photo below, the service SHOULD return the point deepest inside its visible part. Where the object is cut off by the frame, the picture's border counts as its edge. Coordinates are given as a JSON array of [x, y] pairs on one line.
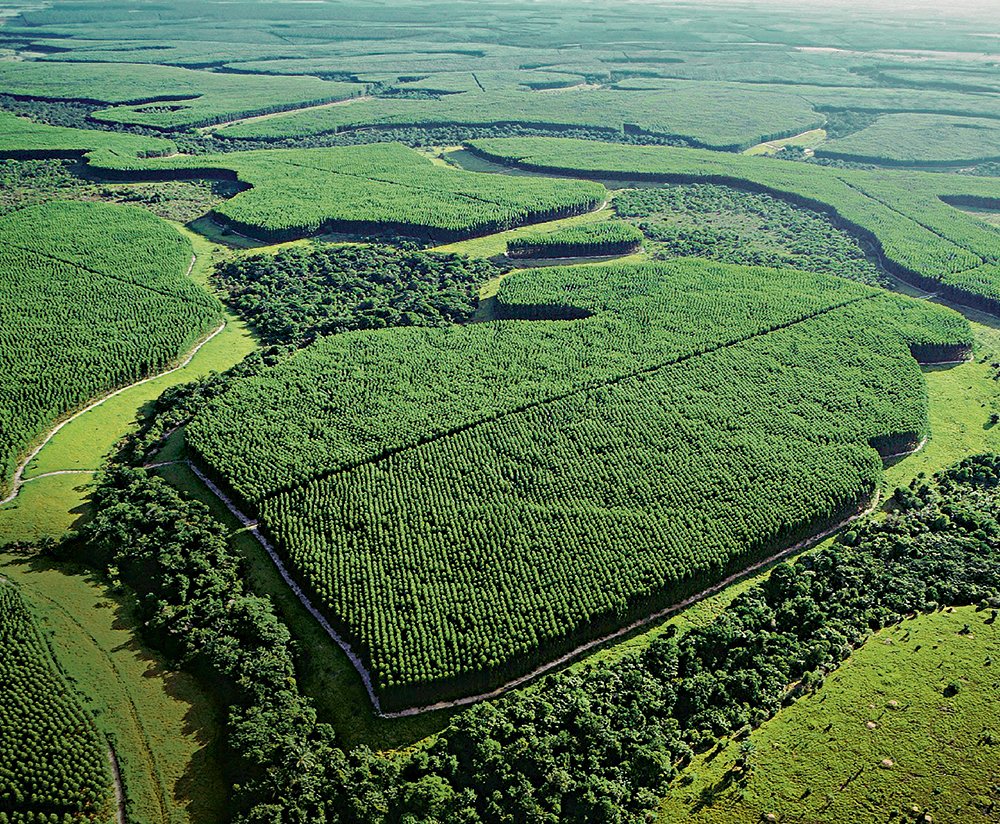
[[19, 480]]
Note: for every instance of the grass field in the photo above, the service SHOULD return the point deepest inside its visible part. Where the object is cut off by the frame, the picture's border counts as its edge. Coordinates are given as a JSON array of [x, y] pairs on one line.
[[847, 753], [163, 725], [807, 140]]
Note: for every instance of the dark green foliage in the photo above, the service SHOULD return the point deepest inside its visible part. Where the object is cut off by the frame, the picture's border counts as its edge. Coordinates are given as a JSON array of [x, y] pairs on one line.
[[195, 606], [53, 762], [734, 226], [841, 123], [300, 294]]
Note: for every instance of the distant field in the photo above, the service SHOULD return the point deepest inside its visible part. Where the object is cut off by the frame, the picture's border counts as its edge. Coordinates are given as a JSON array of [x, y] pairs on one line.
[[919, 139], [53, 761], [22, 137], [718, 115], [642, 424], [93, 297], [381, 188], [166, 96], [905, 727], [905, 213]]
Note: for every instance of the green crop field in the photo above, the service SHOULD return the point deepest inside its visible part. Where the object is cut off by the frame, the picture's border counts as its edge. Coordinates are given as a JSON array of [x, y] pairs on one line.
[[367, 189], [93, 297], [478, 446], [919, 140], [166, 96], [920, 235], [605, 238], [53, 762], [481, 413]]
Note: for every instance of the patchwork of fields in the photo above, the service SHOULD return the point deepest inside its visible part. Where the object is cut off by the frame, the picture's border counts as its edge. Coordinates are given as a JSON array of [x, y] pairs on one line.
[[453, 453]]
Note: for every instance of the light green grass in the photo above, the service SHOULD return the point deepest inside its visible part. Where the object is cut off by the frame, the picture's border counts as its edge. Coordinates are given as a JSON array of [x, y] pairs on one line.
[[44, 508], [962, 399], [164, 728], [818, 760], [806, 140]]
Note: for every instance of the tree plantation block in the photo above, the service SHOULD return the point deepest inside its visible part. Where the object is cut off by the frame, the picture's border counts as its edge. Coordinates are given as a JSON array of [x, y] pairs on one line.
[[479, 500], [53, 762], [92, 297], [370, 189]]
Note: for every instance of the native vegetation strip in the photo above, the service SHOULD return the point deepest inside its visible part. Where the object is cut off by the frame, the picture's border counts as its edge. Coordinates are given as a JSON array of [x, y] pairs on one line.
[[53, 763], [92, 297], [300, 294], [907, 216], [581, 473], [736, 226], [605, 238]]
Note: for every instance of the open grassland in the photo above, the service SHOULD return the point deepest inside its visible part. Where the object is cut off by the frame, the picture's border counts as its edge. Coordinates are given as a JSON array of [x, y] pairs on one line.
[[904, 214], [94, 297], [604, 380], [53, 762], [905, 728], [166, 97], [162, 725], [367, 189], [919, 140]]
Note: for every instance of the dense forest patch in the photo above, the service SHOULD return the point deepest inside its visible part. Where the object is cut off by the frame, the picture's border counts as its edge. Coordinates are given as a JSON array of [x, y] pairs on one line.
[[300, 294], [733, 226]]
